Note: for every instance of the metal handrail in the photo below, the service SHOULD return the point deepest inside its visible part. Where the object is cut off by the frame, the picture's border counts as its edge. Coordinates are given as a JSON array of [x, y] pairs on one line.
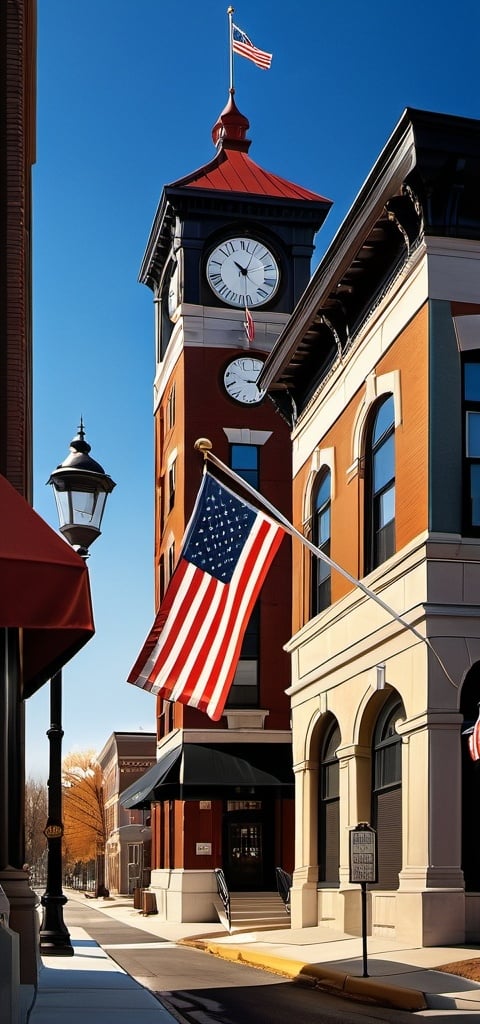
[[284, 884], [224, 894]]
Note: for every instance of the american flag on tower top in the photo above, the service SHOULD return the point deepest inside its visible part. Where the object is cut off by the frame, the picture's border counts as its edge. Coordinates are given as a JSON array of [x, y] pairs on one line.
[[242, 45], [192, 650]]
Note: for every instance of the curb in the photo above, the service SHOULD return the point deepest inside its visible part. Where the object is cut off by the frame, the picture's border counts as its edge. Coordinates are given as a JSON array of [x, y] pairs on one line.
[[369, 990]]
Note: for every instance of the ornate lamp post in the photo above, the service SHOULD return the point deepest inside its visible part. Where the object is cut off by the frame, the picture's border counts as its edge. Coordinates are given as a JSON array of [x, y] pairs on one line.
[[81, 487]]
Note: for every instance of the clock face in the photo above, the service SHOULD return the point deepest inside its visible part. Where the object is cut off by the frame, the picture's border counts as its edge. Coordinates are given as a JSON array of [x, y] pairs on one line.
[[243, 272], [240, 380]]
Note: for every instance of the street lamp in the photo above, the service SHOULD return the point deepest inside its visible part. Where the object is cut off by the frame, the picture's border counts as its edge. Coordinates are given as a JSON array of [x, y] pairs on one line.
[[81, 488]]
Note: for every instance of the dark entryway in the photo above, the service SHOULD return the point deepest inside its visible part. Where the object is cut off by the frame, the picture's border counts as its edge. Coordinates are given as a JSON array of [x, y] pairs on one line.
[[248, 846]]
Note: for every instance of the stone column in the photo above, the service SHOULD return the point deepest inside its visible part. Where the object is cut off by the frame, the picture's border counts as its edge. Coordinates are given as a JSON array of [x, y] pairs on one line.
[[303, 905], [431, 898]]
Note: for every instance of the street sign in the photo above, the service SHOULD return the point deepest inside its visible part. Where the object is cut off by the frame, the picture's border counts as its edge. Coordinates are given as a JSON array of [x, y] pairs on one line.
[[363, 853]]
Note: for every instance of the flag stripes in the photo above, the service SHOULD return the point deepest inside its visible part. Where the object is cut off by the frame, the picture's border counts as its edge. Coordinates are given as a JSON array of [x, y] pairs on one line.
[[242, 45], [192, 651]]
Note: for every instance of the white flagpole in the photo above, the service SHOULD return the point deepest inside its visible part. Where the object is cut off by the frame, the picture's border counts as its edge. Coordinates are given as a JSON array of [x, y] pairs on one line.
[[317, 552], [230, 12]]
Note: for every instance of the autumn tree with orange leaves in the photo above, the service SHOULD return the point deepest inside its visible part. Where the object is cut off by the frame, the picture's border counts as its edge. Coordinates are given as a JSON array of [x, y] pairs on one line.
[[84, 812]]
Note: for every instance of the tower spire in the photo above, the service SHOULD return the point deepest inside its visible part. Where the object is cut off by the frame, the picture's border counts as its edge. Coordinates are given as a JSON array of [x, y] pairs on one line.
[[230, 129]]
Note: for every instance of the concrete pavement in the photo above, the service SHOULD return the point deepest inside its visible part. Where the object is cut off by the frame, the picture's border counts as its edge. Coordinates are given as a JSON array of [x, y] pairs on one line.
[[90, 983]]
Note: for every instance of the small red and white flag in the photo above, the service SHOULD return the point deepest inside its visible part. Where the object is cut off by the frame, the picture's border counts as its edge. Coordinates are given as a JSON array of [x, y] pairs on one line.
[[242, 45], [474, 741], [249, 325], [193, 648]]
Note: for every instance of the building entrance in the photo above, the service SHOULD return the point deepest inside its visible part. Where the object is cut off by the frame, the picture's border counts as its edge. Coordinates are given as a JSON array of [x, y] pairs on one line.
[[248, 846]]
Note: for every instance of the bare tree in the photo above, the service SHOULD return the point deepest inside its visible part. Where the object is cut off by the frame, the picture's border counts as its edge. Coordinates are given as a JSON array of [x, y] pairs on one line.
[[36, 812], [84, 812]]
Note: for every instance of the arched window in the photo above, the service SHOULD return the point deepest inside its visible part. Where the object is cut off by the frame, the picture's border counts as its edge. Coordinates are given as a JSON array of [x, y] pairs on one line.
[[320, 570], [380, 485], [471, 406], [469, 706], [387, 792], [329, 810]]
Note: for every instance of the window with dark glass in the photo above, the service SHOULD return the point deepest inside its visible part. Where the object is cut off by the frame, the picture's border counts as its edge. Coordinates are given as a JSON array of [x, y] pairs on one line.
[[171, 408], [244, 690], [244, 459], [171, 560], [320, 570], [329, 810], [380, 486], [244, 693], [471, 405], [387, 792], [172, 484]]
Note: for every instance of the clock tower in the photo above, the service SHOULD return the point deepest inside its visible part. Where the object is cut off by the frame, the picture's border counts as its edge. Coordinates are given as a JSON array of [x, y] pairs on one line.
[[227, 259]]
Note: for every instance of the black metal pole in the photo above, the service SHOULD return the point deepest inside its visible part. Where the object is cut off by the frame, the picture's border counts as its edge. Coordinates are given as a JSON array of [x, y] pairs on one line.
[[54, 935], [364, 928]]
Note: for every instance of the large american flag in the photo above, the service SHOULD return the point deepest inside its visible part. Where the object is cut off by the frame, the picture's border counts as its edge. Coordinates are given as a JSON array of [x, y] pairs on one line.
[[243, 45], [192, 650]]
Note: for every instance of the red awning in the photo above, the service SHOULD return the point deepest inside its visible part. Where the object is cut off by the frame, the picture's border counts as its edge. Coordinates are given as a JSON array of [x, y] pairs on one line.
[[44, 590]]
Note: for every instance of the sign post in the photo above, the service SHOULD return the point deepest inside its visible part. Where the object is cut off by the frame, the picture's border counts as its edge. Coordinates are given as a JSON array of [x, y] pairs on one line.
[[363, 869]]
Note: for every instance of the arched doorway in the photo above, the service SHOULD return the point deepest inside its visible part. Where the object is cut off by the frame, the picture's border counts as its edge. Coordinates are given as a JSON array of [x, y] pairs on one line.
[[469, 701]]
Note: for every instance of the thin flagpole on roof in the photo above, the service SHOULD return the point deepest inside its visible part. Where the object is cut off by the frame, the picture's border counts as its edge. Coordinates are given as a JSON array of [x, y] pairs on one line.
[[230, 12], [205, 446]]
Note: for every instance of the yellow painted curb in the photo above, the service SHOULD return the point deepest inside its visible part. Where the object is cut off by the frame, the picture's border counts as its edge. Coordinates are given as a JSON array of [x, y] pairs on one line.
[[328, 975], [362, 988], [387, 995], [278, 964]]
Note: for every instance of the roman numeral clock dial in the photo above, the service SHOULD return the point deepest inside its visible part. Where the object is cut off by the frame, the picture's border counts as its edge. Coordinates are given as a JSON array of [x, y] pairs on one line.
[[243, 272], [240, 380]]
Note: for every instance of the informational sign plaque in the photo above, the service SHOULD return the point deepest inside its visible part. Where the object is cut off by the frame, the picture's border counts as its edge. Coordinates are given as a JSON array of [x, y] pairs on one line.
[[363, 854], [363, 869]]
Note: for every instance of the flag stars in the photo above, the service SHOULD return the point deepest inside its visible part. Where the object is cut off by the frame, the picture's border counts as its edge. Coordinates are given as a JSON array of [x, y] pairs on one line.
[[220, 528]]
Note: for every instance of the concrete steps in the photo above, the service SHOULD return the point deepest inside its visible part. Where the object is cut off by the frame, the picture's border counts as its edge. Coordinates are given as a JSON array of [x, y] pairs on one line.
[[254, 911]]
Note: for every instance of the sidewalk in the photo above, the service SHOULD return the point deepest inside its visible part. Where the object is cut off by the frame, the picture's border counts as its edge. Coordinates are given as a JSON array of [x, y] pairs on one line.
[[90, 986], [402, 978]]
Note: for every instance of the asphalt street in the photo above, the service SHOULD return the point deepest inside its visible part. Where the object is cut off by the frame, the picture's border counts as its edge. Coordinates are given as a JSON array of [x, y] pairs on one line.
[[199, 988]]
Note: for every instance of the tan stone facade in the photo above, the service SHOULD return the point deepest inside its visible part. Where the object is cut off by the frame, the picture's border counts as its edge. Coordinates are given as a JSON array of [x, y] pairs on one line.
[[401, 334]]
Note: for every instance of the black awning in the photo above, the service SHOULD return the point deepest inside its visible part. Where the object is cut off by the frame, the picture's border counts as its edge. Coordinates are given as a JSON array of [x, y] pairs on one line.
[[202, 771], [139, 794]]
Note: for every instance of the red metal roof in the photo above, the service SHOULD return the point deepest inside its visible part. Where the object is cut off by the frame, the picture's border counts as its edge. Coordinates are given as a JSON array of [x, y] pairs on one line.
[[233, 170]]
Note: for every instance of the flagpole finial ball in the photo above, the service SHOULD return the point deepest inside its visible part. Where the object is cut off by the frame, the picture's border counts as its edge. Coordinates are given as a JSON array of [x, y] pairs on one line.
[[203, 444]]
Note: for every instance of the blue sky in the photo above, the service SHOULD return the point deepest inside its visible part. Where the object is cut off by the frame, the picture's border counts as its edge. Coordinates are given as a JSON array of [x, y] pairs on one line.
[[128, 91]]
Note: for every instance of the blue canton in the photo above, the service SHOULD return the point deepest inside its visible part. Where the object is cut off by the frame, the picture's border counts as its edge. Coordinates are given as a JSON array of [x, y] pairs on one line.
[[218, 531]]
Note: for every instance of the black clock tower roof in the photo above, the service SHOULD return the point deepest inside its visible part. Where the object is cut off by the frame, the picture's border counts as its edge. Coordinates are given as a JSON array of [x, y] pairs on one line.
[[230, 188]]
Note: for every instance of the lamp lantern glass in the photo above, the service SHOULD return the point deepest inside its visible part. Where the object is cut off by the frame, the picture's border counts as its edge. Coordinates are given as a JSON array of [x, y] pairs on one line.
[[81, 488]]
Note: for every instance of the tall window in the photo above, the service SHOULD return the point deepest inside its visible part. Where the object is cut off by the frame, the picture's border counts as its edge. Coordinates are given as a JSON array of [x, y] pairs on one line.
[[328, 810], [244, 690], [320, 570], [387, 792], [244, 693], [244, 460], [471, 405], [380, 486], [172, 484], [470, 780], [171, 560], [171, 408]]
